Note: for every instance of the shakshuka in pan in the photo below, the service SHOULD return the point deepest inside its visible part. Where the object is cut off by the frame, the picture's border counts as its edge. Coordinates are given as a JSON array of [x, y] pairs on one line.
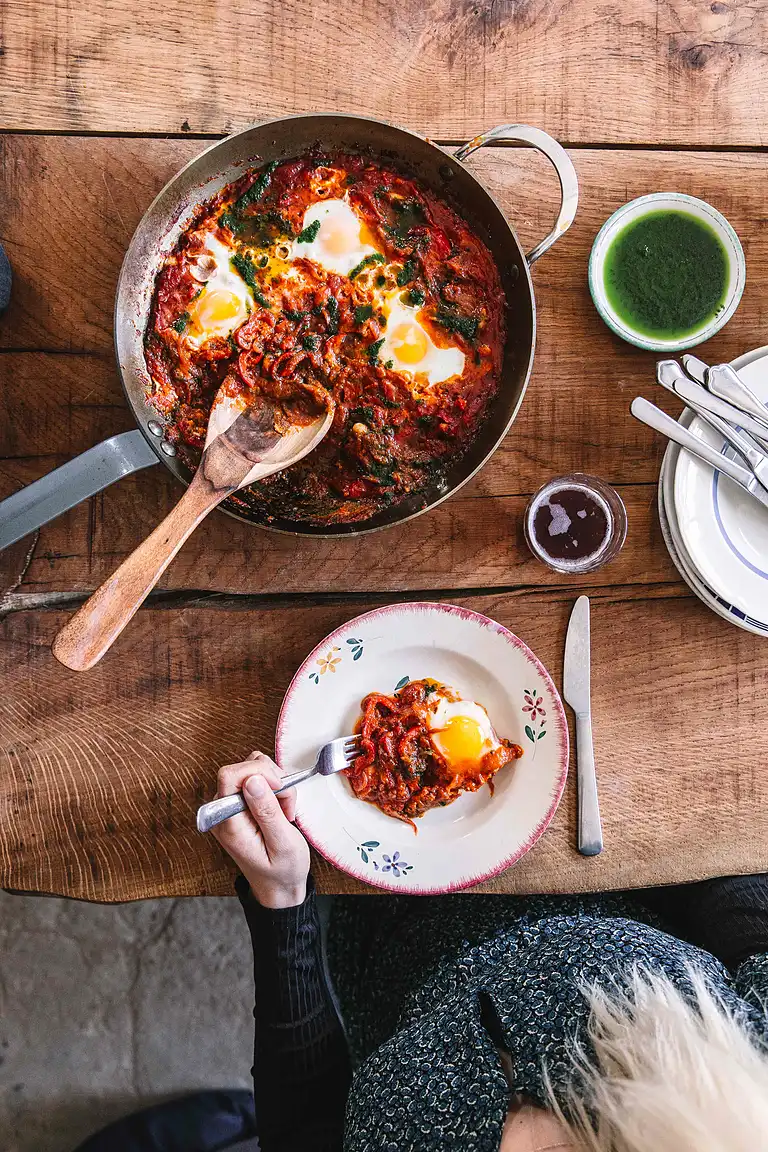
[[340, 273]]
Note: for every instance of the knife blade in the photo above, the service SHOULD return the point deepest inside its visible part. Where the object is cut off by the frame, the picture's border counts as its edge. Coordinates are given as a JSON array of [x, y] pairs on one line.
[[577, 693], [649, 414]]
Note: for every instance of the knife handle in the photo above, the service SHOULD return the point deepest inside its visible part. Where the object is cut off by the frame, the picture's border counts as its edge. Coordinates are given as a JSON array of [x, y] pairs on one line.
[[590, 832], [649, 414]]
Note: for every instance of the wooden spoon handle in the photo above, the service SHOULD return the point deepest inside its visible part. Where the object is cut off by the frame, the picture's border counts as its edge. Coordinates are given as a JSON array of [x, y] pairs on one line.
[[93, 629]]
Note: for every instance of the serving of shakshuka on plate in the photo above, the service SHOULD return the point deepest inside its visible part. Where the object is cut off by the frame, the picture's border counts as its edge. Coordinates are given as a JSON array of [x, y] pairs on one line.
[[421, 747], [335, 273]]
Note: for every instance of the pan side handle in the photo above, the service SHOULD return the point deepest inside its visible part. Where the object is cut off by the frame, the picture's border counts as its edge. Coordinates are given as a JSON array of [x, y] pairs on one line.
[[62, 489], [566, 173]]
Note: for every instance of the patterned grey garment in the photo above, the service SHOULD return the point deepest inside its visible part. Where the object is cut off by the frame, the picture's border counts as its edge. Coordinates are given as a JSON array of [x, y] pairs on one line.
[[427, 986]]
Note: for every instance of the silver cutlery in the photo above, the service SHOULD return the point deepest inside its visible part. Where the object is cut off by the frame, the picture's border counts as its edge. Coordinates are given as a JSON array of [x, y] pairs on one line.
[[576, 690], [696, 369], [744, 444], [649, 414], [331, 758], [723, 382], [670, 374]]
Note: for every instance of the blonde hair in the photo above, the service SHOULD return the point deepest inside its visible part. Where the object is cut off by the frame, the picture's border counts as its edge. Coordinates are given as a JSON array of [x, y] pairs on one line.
[[669, 1074]]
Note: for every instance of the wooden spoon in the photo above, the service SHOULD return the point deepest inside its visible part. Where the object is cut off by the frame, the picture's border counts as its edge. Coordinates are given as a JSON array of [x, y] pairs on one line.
[[243, 444]]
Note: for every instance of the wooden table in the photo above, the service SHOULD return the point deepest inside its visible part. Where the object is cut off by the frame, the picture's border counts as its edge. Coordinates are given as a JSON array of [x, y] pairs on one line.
[[99, 105]]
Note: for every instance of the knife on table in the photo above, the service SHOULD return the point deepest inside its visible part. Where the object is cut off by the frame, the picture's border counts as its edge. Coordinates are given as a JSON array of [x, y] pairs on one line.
[[576, 689]]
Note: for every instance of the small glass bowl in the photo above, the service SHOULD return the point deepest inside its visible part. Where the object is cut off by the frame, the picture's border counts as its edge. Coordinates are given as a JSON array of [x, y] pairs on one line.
[[606, 497]]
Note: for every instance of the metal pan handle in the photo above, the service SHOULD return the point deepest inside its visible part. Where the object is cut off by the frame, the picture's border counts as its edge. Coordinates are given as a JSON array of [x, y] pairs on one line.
[[566, 173], [62, 489]]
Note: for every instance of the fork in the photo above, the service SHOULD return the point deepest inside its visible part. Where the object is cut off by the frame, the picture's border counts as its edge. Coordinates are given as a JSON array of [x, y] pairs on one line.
[[331, 758]]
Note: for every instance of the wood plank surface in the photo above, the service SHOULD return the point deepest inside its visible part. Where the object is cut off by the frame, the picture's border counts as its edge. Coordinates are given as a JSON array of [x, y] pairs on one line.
[[650, 71], [575, 417], [102, 772]]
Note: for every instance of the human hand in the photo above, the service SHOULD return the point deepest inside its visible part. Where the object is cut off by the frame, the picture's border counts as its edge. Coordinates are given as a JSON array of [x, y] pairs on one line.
[[264, 842]]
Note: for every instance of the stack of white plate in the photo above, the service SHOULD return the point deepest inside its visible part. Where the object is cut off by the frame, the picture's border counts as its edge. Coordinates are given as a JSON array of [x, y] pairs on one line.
[[717, 535]]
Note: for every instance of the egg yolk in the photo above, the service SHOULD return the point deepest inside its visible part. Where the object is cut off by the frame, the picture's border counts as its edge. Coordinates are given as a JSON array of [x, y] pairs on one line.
[[338, 236], [461, 741], [214, 309], [408, 343]]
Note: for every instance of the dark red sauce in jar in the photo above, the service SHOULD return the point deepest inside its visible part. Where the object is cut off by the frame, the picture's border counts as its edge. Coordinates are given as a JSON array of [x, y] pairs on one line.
[[575, 523]]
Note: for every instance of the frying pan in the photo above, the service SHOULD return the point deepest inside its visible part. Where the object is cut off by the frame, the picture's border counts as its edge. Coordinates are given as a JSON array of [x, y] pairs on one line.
[[202, 178]]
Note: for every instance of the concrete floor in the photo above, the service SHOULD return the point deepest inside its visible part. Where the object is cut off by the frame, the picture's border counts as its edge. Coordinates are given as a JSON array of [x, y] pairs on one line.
[[106, 1008]]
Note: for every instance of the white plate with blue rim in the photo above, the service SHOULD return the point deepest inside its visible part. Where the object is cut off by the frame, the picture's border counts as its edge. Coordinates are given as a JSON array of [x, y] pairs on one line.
[[480, 833], [721, 531], [676, 548]]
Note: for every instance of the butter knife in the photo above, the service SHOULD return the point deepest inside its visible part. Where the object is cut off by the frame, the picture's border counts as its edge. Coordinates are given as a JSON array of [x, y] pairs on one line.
[[649, 414], [576, 690]]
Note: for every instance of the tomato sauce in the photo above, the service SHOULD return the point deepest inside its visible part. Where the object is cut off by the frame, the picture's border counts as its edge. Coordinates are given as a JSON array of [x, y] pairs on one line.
[[393, 433]]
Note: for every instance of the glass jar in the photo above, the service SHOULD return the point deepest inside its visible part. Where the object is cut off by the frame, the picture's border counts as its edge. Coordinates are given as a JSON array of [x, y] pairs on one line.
[[575, 523]]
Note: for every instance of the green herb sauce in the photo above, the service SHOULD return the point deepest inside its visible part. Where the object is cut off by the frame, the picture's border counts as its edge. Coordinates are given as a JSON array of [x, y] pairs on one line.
[[308, 234], [454, 321], [244, 266], [374, 349], [374, 258], [666, 274]]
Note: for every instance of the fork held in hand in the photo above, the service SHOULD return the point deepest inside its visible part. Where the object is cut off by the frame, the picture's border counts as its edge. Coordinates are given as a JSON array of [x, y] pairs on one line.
[[331, 758]]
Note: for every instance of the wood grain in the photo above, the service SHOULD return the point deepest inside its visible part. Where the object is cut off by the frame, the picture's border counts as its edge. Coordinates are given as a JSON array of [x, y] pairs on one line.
[[653, 71], [102, 773], [575, 416]]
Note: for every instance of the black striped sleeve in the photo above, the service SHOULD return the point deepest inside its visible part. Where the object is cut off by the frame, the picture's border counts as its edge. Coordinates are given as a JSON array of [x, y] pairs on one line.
[[301, 1069]]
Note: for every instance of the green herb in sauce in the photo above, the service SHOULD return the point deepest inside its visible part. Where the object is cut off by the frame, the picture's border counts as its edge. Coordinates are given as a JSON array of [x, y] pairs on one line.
[[362, 415], [180, 322], [466, 326], [416, 297], [310, 342], [666, 274], [374, 258], [374, 349], [363, 312], [407, 273], [229, 220], [332, 308], [308, 234], [245, 268], [258, 188]]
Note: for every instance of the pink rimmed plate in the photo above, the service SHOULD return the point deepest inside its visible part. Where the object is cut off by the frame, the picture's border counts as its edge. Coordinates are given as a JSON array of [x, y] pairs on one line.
[[479, 834]]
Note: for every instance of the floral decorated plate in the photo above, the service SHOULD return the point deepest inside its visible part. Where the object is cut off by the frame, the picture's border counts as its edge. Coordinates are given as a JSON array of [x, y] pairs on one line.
[[479, 834]]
